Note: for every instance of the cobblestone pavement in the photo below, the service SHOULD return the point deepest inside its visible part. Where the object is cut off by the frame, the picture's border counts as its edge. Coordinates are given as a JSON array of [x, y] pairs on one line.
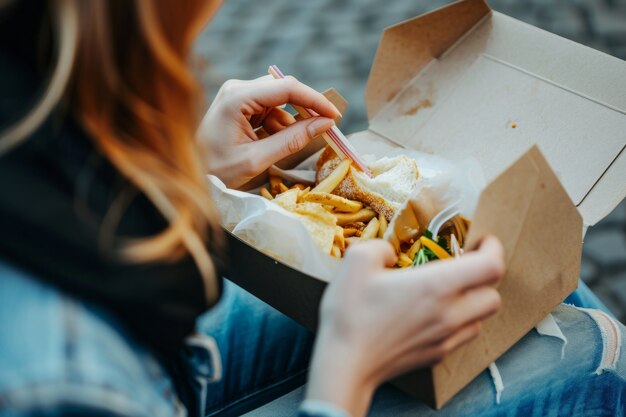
[[332, 43]]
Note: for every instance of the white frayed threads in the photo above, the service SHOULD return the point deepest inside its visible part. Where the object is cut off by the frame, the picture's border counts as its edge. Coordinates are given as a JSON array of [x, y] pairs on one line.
[[611, 339], [549, 327], [497, 380], [209, 345]]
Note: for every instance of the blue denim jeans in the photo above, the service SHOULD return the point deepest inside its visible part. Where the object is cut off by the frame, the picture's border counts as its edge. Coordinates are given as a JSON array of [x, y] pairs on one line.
[[537, 382], [264, 354], [60, 356]]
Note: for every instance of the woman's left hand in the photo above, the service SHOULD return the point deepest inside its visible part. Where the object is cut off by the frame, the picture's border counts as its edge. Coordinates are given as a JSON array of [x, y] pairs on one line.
[[241, 106]]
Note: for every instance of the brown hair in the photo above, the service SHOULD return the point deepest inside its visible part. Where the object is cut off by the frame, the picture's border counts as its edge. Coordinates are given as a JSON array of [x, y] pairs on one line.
[[132, 89]]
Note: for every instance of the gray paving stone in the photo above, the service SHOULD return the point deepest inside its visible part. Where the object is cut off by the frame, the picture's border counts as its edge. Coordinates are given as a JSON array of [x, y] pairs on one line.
[[609, 298], [609, 21], [618, 288], [566, 21], [606, 246]]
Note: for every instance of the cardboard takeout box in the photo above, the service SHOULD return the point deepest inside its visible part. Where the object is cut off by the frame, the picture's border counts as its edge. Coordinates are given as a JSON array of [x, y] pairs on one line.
[[546, 119]]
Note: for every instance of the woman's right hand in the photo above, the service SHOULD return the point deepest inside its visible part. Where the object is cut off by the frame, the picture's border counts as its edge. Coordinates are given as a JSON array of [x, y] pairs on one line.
[[377, 323], [242, 106]]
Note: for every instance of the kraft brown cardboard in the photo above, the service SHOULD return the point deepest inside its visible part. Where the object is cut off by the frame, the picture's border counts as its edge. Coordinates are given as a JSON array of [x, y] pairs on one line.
[[521, 206], [466, 81], [502, 87]]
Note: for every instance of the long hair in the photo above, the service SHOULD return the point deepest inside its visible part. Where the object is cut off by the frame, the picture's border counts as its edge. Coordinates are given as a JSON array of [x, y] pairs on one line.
[[132, 89]]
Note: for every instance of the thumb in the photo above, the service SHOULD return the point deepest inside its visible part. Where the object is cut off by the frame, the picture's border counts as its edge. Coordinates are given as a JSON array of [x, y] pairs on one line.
[[290, 140]]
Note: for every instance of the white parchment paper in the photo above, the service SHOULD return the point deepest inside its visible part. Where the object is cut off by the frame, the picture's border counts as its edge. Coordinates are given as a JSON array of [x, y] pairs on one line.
[[278, 233]]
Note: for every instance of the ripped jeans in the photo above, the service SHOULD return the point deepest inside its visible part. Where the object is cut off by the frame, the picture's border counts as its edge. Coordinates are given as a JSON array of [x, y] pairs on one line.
[[60, 356], [589, 380], [541, 378]]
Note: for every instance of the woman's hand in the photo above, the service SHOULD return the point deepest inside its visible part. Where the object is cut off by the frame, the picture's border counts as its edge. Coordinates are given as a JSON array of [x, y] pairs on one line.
[[377, 323], [241, 106]]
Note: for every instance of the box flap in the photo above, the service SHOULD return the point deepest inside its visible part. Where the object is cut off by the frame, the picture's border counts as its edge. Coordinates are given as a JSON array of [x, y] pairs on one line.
[[502, 87], [524, 207], [606, 190], [407, 47]]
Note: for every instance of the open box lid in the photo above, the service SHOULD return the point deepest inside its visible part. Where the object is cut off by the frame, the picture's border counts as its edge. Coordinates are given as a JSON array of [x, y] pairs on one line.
[[466, 81]]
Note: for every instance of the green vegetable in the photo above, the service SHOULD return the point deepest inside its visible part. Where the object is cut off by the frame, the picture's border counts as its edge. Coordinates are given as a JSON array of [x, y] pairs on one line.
[[441, 241], [425, 255]]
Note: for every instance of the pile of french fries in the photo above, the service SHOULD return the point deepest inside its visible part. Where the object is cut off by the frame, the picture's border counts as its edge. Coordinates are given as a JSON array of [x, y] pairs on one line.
[[335, 222]]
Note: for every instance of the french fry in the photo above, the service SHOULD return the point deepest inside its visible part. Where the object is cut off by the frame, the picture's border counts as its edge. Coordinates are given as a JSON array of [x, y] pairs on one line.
[[340, 203], [352, 240], [404, 260], [466, 221], [355, 225], [287, 200], [274, 184], [302, 193], [332, 181], [335, 251], [461, 228], [383, 225], [266, 193], [339, 238], [314, 210], [415, 247], [322, 232], [349, 232], [282, 187], [363, 215], [299, 186], [371, 230], [261, 133]]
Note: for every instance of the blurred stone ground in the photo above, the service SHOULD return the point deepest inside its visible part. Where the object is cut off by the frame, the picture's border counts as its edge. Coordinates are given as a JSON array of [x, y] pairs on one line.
[[332, 43]]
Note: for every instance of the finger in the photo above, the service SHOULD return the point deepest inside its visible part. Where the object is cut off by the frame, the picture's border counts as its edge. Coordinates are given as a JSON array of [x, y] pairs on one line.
[[288, 141], [488, 259], [277, 120], [372, 253], [462, 336], [488, 243], [253, 95], [450, 316], [412, 359], [474, 305], [431, 353], [263, 78], [256, 120]]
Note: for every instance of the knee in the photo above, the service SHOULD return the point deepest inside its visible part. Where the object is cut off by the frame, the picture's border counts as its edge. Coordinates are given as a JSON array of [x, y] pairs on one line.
[[600, 332]]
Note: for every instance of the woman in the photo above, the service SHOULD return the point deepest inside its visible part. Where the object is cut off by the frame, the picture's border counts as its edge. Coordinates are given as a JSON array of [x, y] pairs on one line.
[[103, 197]]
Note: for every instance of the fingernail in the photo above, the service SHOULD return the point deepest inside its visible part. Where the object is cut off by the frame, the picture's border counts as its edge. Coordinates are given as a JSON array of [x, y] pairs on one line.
[[319, 126]]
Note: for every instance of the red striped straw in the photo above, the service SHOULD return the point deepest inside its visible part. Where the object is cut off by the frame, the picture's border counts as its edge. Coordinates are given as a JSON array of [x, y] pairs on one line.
[[335, 139]]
